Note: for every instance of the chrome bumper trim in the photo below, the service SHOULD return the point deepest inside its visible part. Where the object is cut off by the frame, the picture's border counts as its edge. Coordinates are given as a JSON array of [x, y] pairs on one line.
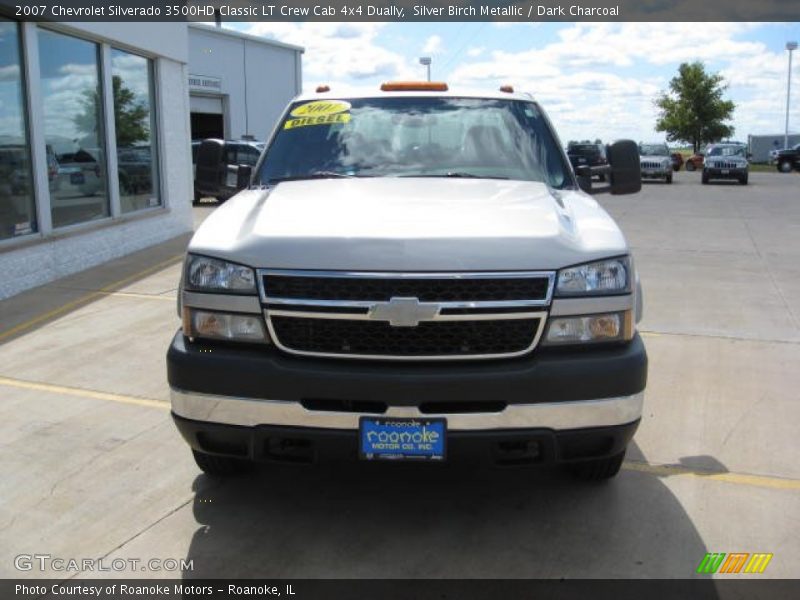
[[249, 412]]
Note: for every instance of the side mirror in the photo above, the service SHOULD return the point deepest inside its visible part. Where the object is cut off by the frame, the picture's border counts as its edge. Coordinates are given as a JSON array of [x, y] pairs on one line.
[[243, 176], [209, 163], [626, 173], [584, 177]]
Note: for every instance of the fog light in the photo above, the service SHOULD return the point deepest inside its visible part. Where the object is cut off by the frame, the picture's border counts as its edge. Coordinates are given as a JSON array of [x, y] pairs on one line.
[[607, 327], [224, 326]]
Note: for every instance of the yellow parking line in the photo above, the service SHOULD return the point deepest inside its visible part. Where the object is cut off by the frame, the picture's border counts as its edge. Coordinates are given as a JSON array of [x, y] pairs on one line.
[[88, 297], [142, 296], [778, 483], [82, 393]]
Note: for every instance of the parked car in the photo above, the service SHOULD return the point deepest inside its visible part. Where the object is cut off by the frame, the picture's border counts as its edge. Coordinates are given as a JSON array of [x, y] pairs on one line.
[[217, 176], [726, 161], [414, 274], [695, 161], [588, 154], [655, 161], [135, 164], [677, 161], [788, 159]]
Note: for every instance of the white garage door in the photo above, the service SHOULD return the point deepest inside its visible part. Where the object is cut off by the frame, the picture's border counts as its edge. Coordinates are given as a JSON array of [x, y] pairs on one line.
[[205, 104]]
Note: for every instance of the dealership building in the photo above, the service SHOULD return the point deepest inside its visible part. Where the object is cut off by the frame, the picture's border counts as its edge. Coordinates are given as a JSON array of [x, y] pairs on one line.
[[239, 84], [96, 121]]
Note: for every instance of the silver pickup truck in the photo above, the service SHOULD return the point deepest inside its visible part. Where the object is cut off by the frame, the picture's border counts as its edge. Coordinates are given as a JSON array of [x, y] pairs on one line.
[[414, 274]]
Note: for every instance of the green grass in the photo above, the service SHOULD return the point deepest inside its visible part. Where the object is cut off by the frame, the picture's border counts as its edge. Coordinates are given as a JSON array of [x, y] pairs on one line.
[[762, 168]]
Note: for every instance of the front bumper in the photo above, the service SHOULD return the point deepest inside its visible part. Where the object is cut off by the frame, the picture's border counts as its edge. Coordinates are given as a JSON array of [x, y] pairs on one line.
[[656, 173], [730, 173], [307, 445], [552, 406]]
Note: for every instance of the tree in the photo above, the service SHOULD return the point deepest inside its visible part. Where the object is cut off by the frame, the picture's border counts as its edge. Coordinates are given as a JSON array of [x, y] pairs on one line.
[[131, 117], [693, 109]]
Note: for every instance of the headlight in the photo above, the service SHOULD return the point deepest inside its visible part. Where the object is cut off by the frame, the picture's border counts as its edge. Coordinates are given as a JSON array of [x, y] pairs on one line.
[[223, 326], [607, 327], [214, 275], [602, 277]]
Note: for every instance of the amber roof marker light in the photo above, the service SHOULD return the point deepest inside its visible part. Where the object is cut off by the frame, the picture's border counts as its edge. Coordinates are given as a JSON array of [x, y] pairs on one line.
[[414, 86], [508, 89], [323, 88]]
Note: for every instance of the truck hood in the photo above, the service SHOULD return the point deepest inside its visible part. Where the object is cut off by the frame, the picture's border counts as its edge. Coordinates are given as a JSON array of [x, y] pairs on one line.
[[409, 224]]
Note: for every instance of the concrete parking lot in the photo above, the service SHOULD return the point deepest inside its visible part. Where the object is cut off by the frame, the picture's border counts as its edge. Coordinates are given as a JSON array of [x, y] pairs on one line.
[[93, 467]]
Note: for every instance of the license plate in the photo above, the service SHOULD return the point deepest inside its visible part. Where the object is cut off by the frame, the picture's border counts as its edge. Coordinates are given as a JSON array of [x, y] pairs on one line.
[[382, 438], [77, 179], [725, 171]]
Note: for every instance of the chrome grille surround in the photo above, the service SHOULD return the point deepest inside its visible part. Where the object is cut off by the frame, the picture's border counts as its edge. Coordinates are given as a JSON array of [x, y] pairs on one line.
[[378, 311]]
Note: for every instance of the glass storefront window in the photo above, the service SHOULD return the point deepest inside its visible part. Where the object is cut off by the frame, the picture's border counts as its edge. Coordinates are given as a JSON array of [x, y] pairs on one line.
[[73, 128], [17, 208], [134, 119]]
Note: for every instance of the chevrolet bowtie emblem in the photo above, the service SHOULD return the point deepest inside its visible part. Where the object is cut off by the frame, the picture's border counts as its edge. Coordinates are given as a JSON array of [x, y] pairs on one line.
[[404, 312]]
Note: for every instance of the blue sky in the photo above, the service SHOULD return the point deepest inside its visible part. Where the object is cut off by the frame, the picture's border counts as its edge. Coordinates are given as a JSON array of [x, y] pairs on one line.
[[594, 80]]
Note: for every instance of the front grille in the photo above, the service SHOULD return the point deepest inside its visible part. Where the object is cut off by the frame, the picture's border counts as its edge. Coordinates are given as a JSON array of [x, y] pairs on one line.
[[650, 165], [425, 289], [429, 338], [724, 165]]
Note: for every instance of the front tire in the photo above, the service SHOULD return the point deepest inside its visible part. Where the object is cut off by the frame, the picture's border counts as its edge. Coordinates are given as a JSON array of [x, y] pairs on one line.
[[599, 469], [785, 166], [221, 467], [743, 179], [705, 177], [668, 178]]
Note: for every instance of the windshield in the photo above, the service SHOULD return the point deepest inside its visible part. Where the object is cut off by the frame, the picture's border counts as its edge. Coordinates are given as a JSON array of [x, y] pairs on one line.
[[584, 149], [653, 150], [726, 151], [415, 137]]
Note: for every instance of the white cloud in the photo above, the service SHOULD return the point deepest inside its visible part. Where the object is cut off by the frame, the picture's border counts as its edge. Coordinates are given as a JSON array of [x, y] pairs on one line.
[[476, 51], [590, 79], [433, 45], [340, 54]]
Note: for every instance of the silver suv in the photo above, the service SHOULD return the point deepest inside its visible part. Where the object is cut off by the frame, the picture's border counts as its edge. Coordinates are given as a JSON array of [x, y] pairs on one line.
[[656, 161], [726, 161]]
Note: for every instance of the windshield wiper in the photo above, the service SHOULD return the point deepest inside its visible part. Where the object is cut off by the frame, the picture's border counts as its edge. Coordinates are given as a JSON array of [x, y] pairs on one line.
[[314, 175]]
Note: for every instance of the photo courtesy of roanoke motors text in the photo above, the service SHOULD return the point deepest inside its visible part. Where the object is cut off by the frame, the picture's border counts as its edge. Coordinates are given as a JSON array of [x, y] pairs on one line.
[[413, 300]]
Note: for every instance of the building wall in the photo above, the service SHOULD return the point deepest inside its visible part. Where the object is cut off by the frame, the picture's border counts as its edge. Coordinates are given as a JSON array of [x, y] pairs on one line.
[[257, 77], [35, 259]]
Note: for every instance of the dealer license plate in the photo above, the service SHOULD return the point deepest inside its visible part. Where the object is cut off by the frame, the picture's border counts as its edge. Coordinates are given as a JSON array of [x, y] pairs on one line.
[[382, 438]]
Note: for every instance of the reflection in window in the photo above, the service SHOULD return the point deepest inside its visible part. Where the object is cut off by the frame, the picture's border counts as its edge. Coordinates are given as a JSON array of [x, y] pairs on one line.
[[131, 78], [17, 214], [73, 117]]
